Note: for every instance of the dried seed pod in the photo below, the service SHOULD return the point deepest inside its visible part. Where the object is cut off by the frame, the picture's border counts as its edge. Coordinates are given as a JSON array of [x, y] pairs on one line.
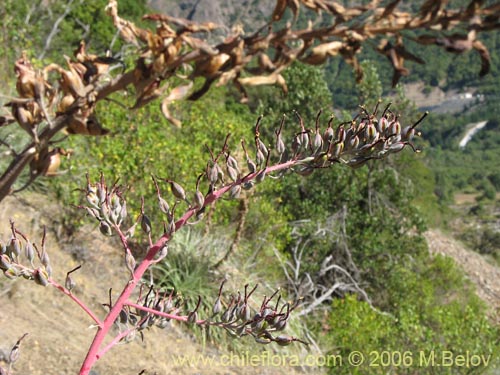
[[382, 125], [328, 134], [14, 352], [29, 251], [353, 143], [145, 223], [41, 277], [232, 162], [44, 258], [262, 340], [192, 317], [280, 325], [232, 173], [340, 134], [130, 262], [396, 147], [371, 134], [164, 206], [235, 191], [262, 147], [220, 172], [259, 157], [296, 144], [177, 190], [305, 170], [337, 150], [408, 133], [261, 175], [248, 185], [280, 145], [3, 248], [252, 167], [69, 283], [317, 142], [226, 317], [217, 308], [14, 248], [162, 253], [284, 340], [11, 272], [394, 129], [123, 212], [5, 262], [213, 176], [105, 228], [48, 269], [244, 312], [92, 198]]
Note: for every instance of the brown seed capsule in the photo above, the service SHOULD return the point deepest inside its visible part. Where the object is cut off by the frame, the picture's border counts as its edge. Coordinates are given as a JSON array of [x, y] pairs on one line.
[[213, 175], [199, 199], [232, 173], [130, 262], [163, 204], [248, 185], [217, 308], [318, 142], [145, 224], [280, 145], [69, 283], [41, 277], [123, 212], [252, 167], [104, 228], [283, 340], [263, 340], [177, 190], [261, 175], [235, 192], [262, 147], [232, 162], [11, 272], [192, 317], [44, 258], [14, 248], [29, 251], [259, 157], [5, 262], [305, 171]]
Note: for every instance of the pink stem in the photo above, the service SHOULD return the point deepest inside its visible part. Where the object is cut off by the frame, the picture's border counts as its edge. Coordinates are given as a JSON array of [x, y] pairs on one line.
[[93, 353], [113, 342], [77, 301]]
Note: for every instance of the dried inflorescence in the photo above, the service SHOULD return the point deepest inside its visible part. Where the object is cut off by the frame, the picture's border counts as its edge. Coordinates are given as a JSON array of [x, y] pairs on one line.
[[18, 250], [368, 136], [235, 315]]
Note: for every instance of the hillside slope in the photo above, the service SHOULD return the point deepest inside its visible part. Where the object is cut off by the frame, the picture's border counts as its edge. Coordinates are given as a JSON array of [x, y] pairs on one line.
[[484, 275]]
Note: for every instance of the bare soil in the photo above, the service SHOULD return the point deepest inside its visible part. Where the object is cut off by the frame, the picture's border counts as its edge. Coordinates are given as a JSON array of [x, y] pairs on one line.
[[483, 274], [60, 332]]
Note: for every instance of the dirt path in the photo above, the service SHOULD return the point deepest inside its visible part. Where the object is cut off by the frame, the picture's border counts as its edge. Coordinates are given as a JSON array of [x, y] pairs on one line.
[[484, 275]]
